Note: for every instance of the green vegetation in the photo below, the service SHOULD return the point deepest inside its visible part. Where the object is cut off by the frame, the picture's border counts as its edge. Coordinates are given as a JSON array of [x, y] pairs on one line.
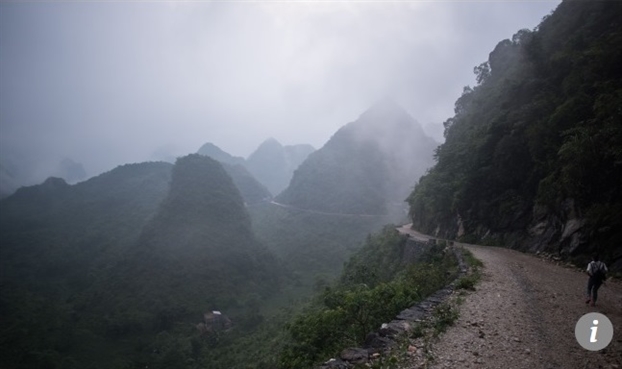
[[444, 316], [470, 259], [313, 246], [157, 246], [342, 177], [251, 190], [373, 288], [365, 167], [539, 137], [378, 261], [56, 241], [469, 281], [117, 271]]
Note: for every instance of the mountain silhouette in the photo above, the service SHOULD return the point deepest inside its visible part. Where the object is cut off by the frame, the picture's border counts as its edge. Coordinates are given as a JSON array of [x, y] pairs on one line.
[[365, 166], [274, 164], [216, 153], [139, 250], [251, 189]]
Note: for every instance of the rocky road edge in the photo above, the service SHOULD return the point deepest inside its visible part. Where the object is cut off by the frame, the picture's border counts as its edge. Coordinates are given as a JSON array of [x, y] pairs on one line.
[[379, 345]]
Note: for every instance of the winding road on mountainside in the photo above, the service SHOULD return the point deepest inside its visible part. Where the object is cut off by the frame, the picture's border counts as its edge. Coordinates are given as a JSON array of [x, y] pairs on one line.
[[292, 207], [326, 213], [523, 315]]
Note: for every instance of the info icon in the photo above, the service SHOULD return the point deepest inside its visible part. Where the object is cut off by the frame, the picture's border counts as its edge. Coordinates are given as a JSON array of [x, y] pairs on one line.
[[594, 331]]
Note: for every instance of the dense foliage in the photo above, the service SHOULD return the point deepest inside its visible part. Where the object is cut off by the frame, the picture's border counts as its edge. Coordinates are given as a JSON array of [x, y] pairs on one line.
[[56, 241], [201, 239], [313, 246], [539, 138], [118, 270], [374, 287]]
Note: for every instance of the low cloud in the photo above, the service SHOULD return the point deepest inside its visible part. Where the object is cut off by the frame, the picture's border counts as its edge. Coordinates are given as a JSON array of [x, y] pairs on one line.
[[108, 83]]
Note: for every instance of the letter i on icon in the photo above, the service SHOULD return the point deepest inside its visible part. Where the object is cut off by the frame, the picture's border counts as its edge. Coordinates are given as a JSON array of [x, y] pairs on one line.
[[594, 329]]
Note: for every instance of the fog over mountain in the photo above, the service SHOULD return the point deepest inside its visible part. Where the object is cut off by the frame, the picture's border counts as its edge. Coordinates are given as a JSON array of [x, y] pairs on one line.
[[108, 83], [274, 164], [366, 165], [216, 153], [228, 184]]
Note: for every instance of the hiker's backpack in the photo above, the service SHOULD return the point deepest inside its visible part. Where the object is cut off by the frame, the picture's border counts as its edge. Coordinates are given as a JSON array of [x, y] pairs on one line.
[[599, 272]]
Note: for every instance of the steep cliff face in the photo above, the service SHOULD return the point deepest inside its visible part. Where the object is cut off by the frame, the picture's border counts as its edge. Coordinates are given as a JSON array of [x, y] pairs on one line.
[[533, 155]]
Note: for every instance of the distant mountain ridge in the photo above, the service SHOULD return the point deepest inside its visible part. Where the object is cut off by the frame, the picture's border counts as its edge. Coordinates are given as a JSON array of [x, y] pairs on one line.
[[251, 189], [216, 153], [272, 165], [18, 172], [201, 238], [365, 166]]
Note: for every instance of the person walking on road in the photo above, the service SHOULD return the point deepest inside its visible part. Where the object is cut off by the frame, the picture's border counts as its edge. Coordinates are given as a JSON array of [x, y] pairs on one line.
[[597, 270]]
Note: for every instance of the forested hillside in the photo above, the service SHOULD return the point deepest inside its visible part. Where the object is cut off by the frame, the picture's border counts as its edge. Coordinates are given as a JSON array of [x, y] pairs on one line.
[[533, 155], [365, 167], [352, 186], [118, 270], [49, 227], [252, 191], [56, 242], [202, 236], [313, 246], [376, 284]]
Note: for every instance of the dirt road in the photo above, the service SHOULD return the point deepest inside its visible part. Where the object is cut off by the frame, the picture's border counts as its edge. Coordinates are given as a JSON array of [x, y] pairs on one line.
[[523, 315], [406, 229]]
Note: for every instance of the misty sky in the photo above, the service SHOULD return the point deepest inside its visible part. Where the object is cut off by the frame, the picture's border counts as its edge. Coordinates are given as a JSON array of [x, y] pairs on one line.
[[109, 83]]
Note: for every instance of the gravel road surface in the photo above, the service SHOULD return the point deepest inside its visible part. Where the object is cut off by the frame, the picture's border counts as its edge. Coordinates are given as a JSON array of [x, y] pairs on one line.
[[523, 315]]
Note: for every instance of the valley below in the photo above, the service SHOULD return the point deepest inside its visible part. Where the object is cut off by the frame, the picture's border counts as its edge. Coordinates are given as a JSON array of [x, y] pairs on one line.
[[285, 257]]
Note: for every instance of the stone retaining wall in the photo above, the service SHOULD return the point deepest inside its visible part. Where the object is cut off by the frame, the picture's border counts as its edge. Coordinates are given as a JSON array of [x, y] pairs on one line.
[[384, 339]]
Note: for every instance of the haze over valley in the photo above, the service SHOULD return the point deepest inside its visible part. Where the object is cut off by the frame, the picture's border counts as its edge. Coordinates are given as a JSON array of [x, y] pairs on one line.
[[167, 78], [219, 185]]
